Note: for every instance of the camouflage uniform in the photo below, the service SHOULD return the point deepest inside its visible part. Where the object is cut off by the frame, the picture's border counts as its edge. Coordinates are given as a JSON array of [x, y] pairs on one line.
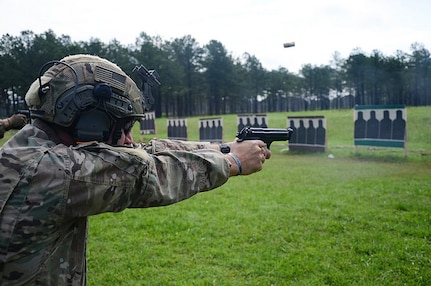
[[48, 190]]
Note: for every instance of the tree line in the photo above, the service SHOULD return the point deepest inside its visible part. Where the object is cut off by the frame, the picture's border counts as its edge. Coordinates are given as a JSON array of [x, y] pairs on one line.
[[202, 80]]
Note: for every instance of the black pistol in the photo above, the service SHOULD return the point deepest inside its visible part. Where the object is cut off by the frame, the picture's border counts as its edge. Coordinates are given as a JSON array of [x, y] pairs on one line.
[[267, 135], [24, 112]]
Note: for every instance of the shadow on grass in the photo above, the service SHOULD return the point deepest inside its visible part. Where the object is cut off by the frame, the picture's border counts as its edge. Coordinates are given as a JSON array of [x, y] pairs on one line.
[[378, 155], [391, 155]]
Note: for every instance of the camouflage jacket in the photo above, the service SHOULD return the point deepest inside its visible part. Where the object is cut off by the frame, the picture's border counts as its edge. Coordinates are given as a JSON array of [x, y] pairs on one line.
[[47, 191]]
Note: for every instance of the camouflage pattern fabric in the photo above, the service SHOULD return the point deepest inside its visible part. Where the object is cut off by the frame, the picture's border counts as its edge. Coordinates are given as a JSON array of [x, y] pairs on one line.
[[90, 71], [48, 190]]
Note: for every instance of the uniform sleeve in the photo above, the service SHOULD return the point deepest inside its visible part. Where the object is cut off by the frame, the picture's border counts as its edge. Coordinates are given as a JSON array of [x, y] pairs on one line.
[[112, 179], [159, 145]]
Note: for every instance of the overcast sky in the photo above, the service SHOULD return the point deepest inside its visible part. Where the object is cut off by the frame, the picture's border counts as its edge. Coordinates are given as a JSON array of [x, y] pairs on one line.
[[319, 28]]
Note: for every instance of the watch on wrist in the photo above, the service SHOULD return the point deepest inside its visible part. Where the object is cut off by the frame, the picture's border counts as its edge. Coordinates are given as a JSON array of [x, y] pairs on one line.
[[224, 148]]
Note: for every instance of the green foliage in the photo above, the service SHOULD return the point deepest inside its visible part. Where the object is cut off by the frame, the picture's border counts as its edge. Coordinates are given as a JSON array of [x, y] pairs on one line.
[[206, 79], [305, 219]]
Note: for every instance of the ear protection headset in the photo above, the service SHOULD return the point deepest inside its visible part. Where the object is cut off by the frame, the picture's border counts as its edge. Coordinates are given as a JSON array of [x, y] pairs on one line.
[[84, 111], [89, 111]]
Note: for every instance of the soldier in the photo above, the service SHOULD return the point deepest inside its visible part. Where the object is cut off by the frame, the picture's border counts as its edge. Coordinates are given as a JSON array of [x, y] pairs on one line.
[[16, 121], [77, 158]]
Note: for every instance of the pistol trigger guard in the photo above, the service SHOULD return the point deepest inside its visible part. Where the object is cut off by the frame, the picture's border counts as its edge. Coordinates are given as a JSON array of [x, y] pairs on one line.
[[268, 145]]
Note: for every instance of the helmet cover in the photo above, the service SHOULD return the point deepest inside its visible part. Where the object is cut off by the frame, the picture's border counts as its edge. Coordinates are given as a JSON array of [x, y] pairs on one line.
[[68, 87]]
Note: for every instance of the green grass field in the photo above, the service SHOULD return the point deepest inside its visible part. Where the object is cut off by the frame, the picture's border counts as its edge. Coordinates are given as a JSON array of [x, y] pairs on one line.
[[355, 219]]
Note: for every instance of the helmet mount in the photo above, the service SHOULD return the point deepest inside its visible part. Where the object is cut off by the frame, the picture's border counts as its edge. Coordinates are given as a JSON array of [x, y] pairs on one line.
[[148, 79]]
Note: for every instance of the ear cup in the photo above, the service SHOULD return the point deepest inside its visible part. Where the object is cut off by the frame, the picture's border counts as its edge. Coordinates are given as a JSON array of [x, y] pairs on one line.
[[69, 105], [93, 125]]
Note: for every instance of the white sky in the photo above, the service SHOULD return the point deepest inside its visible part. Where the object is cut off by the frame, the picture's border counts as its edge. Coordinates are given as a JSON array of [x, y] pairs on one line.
[[259, 27]]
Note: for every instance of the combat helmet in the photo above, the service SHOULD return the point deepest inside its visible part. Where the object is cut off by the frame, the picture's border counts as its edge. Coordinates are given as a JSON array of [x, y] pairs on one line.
[[88, 95]]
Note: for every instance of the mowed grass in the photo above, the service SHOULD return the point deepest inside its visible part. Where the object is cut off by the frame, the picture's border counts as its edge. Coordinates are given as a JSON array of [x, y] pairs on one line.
[[306, 219], [356, 219]]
